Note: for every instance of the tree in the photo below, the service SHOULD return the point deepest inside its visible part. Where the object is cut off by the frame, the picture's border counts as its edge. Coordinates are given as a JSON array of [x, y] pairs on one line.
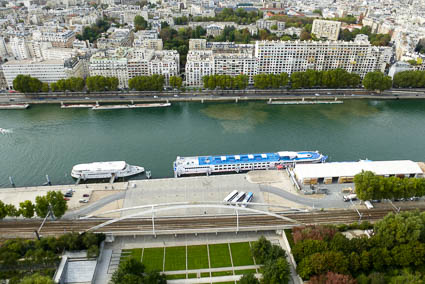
[[27, 209], [41, 206], [176, 82], [113, 83], [155, 277], [11, 210], [130, 266], [57, 203], [45, 87], [331, 278], [140, 23], [36, 279], [249, 279], [377, 81], [93, 251], [27, 84], [3, 210], [75, 84], [276, 271], [260, 249]]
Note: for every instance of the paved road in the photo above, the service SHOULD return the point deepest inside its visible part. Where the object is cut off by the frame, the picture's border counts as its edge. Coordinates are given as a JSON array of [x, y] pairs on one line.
[[94, 206], [329, 201]]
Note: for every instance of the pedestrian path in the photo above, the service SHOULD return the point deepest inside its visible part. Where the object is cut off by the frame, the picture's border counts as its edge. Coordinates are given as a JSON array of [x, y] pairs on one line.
[[230, 268], [218, 279]]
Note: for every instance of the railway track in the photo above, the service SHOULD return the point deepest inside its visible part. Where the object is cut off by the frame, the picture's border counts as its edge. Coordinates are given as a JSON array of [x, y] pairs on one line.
[[26, 228]]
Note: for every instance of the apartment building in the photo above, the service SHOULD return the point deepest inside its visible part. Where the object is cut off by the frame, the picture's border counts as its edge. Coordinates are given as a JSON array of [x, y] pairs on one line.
[[127, 63], [48, 71], [358, 57], [199, 63], [326, 29], [115, 38], [58, 37], [19, 48]]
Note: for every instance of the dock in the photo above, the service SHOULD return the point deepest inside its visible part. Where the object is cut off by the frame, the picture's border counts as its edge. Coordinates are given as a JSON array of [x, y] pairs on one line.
[[129, 106], [304, 102], [77, 105]]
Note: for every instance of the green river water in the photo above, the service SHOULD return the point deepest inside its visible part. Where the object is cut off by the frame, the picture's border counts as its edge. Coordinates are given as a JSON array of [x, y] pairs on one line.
[[48, 140]]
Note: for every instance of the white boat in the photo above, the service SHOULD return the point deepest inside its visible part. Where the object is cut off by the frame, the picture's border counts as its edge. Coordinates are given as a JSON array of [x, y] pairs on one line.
[[77, 105], [150, 105], [14, 106], [100, 170], [108, 107]]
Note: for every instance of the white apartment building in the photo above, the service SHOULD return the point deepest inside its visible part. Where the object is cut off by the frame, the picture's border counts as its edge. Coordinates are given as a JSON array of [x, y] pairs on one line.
[[58, 38], [3, 47], [48, 71], [155, 44], [326, 29], [110, 66], [115, 38], [128, 63], [358, 57], [19, 48], [199, 63]]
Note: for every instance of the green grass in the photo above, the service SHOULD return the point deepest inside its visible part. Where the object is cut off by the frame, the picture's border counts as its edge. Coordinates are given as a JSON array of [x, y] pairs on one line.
[[136, 253], [220, 256], [221, 273], [175, 258], [241, 254], [205, 274], [191, 275], [176, 276], [245, 271], [197, 257], [153, 258]]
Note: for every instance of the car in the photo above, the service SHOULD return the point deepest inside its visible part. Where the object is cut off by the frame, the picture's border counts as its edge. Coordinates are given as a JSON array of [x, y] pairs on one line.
[[86, 195], [317, 95], [155, 97], [12, 100], [414, 198], [375, 201], [87, 98], [66, 199], [350, 197], [83, 201], [68, 194], [121, 97], [176, 96]]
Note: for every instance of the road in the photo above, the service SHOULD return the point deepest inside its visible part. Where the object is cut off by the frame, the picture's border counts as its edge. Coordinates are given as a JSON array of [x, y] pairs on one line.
[[328, 94]]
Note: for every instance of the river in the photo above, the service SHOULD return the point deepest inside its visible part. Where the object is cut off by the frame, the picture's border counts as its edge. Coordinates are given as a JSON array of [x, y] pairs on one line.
[[46, 139]]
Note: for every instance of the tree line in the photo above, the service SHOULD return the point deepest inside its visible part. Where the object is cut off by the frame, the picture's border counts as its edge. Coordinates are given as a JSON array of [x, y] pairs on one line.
[[53, 200], [336, 78], [239, 16], [267, 81], [147, 83], [393, 254], [21, 258], [375, 39], [406, 79], [93, 32], [225, 81], [373, 187], [28, 84]]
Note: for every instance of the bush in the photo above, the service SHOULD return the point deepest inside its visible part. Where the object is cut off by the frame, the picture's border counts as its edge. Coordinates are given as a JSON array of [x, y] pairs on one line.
[[314, 232]]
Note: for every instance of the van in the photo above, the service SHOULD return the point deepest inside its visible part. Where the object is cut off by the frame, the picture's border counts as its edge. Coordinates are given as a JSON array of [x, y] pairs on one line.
[[368, 204], [350, 197]]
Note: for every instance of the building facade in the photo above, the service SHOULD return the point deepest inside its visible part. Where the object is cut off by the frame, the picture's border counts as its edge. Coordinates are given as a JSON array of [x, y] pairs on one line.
[[326, 29]]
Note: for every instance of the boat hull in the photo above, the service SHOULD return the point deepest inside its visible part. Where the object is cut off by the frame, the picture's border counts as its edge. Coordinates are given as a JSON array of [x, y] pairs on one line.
[[132, 170]]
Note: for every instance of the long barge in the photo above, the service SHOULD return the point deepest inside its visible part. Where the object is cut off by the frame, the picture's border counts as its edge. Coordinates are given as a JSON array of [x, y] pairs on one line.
[[131, 106], [244, 162], [14, 106]]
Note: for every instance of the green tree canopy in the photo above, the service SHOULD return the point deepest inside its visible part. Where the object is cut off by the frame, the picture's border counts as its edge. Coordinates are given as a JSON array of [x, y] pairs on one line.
[[27, 209], [140, 23], [249, 279], [276, 271], [377, 81], [27, 84], [36, 279]]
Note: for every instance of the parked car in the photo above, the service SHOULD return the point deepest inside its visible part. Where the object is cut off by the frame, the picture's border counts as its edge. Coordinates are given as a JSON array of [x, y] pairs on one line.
[[66, 198], [86, 195], [350, 197], [68, 194], [83, 201]]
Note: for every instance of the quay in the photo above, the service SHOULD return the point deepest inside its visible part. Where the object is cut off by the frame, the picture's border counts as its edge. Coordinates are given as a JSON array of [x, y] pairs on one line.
[[304, 102]]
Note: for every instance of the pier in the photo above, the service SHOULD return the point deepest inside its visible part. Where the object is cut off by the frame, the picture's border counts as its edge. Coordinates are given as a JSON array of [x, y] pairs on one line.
[[304, 102]]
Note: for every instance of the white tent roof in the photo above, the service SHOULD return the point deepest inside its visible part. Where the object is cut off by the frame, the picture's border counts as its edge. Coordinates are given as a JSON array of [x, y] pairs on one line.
[[349, 169]]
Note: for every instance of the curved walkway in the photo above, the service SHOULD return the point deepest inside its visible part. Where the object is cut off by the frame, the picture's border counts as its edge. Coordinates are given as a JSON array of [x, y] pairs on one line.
[[94, 206]]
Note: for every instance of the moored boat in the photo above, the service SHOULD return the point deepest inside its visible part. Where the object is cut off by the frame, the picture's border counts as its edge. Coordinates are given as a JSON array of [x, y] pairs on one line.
[[244, 162], [14, 106], [101, 170]]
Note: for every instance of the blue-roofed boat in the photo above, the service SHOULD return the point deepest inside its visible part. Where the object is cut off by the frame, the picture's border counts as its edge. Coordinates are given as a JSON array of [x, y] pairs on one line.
[[243, 162]]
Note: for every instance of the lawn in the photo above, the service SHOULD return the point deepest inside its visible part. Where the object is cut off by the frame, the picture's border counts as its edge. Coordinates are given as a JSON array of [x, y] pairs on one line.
[[205, 274], [221, 273], [220, 255], [175, 258], [176, 276], [241, 254], [153, 258], [245, 271], [136, 253], [197, 257]]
